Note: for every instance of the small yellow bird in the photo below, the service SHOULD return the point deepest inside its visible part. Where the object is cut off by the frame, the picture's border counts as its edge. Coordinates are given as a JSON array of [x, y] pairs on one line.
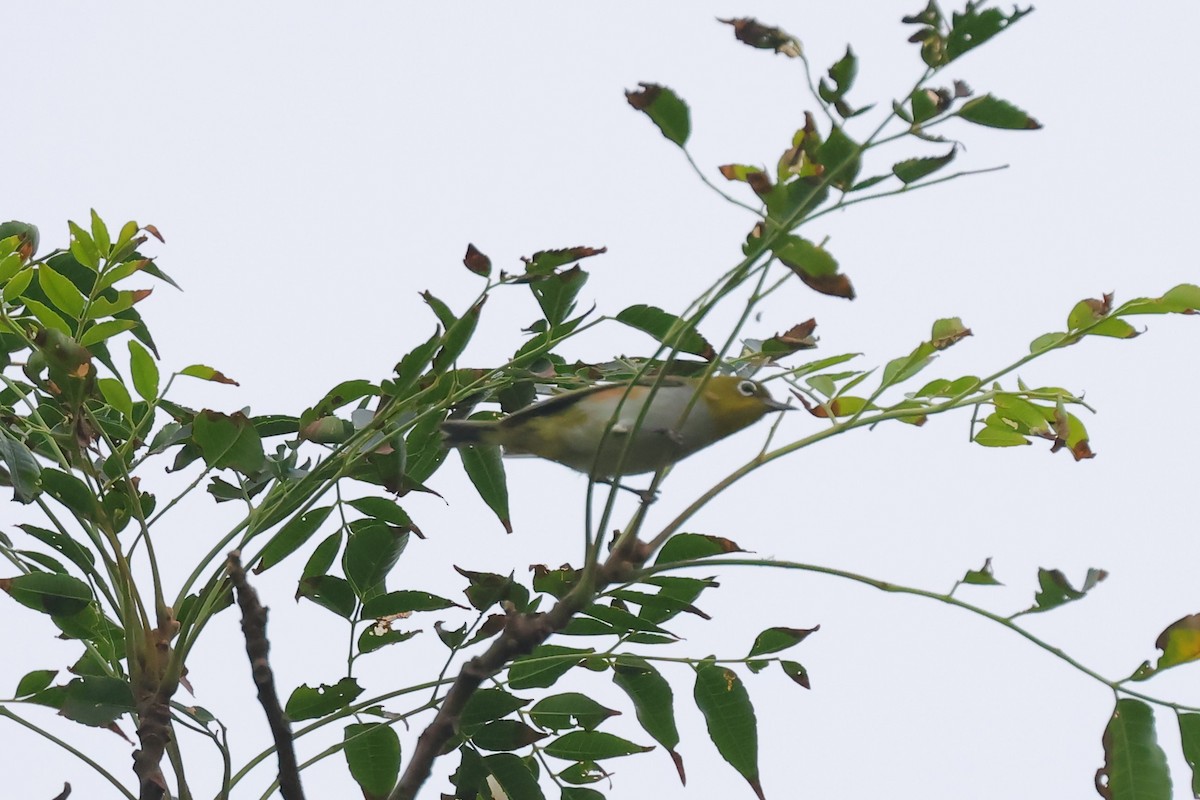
[[568, 428]]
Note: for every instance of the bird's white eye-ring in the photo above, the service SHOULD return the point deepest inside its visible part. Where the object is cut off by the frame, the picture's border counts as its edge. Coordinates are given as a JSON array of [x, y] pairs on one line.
[[748, 388]]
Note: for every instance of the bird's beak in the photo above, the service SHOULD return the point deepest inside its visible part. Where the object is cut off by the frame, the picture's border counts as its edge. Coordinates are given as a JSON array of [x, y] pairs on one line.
[[777, 405]]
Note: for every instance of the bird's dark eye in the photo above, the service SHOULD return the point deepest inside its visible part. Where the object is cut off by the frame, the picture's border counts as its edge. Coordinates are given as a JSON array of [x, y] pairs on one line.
[[748, 388]]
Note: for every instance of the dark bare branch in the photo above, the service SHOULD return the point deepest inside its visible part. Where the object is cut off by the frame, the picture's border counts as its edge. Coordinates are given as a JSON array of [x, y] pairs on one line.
[[254, 628]]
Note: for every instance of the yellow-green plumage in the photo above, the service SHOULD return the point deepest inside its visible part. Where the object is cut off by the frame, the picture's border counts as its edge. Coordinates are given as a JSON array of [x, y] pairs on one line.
[[569, 428]]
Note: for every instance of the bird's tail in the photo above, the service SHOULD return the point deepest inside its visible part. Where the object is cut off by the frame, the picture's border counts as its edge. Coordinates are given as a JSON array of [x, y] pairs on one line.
[[460, 432]]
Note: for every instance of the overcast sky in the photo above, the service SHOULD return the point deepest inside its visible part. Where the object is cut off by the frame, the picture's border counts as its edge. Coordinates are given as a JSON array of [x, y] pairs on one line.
[[313, 167]]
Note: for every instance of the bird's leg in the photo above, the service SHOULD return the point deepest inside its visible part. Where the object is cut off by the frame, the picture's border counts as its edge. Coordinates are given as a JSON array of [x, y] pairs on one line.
[[647, 496]]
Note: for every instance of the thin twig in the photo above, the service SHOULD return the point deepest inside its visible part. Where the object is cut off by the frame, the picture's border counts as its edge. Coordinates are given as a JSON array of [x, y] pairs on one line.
[[254, 628], [521, 634]]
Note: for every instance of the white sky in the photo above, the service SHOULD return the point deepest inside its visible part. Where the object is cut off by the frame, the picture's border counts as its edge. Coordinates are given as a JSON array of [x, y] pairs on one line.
[[313, 167]]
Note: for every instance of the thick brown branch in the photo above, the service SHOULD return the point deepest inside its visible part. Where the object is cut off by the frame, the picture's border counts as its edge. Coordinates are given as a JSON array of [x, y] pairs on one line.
[[154, 685], [254, 628], [521, 634]]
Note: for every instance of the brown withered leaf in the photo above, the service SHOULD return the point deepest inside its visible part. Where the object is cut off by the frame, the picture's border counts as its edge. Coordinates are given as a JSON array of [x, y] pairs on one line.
[[833, 285], [764, 37], [1100, 307], [643, 98], [153, 231], [760, 183], [1081, 450], [141, 294], [477, 262], [797, 337]]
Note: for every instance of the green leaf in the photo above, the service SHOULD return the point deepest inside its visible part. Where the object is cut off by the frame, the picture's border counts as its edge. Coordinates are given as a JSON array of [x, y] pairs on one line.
[[544, 262], [24, 472], [119, 272], [1179, 300], [486, 705], [592, 746], [653, 702], [665, 110], [796, 672], [104, 330], [70, 491], [515, 778], [545, 665], [100, 234], [10, 265], [144, 372], [993, 112], [83, 248], [556, 293], [117, 396], [457, 337], [506, 735], [580, 793], [409, 368], [485, 467], [291, 537], [814, 265], [17, 285], [570, 710], [926, 104], [901, 369], [329, 592], [842, 74], [440, 310], [403, 602], [913, 169], [982, 576], [64, 545], [46, 315], [842, 158], [973, 26], [999, 437], [1189, 734], [105, 307], [34, 682], [1056, 590], [374, 637], [729, 715], [228, 440], [1135, 767], [97, 700], [61, 291], [323, 556], [583, 772], [206, 373], [667, 328], [385, 509], [307, 702], [1179, 643], [772, 640], [373, 755], [689, 546], [372, 550]]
